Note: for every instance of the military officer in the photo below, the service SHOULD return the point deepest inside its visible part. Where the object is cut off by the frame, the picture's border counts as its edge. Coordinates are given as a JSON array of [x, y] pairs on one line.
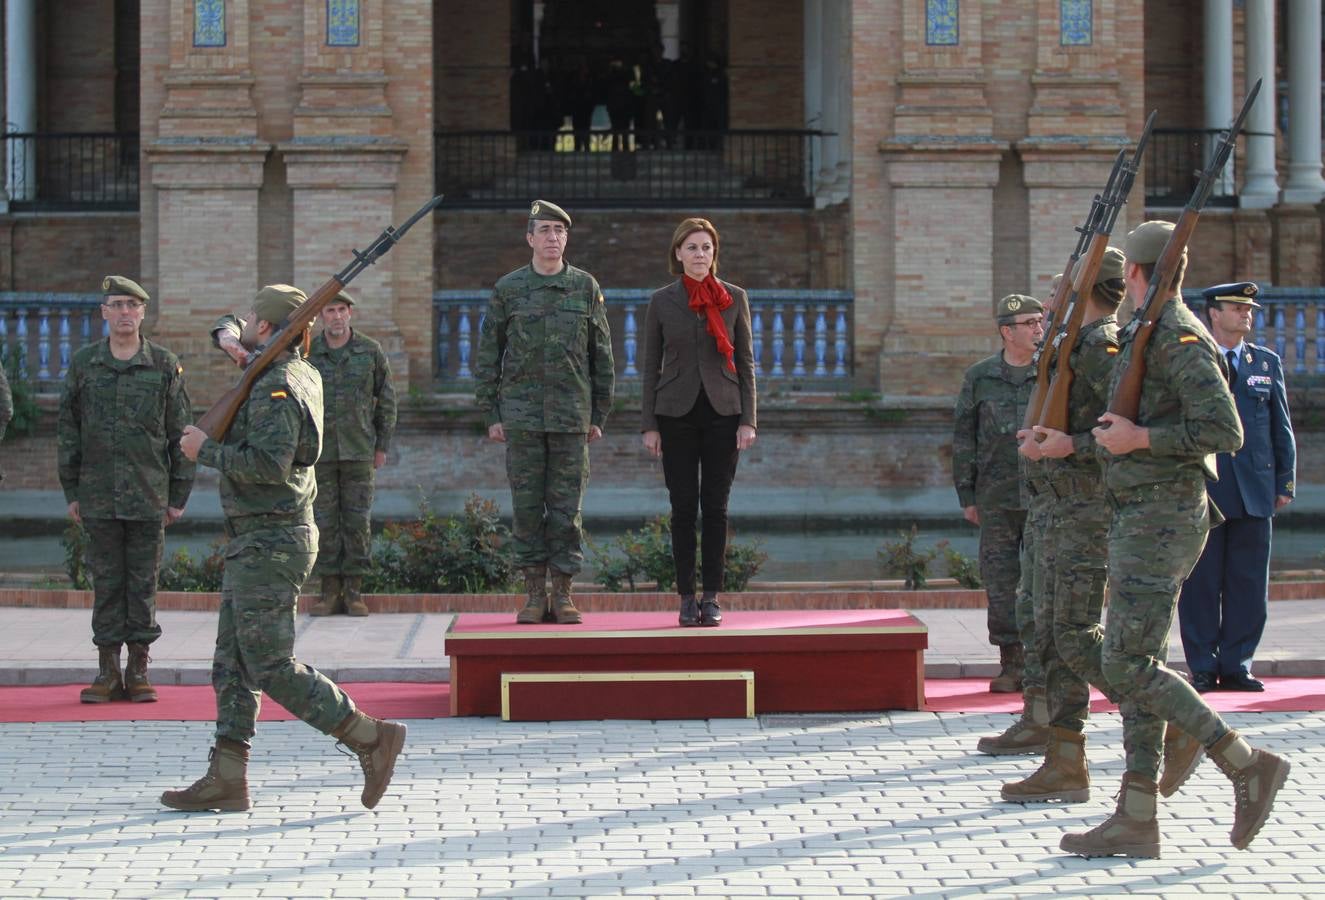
[[267, 487], [1225, 601], [986, 473], [545, 376], [1154, 471], [360, 419], [122, 411]]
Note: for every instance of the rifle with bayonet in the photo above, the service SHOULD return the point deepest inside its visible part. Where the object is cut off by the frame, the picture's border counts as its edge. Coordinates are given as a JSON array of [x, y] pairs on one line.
[[1126, 399], [1055, 413], [217, 420]]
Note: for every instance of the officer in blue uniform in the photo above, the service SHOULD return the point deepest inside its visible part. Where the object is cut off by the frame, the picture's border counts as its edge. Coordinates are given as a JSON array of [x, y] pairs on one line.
[[1223, 606]]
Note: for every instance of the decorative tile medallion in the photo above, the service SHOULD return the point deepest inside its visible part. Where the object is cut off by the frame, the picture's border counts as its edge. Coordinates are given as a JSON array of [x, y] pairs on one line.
[[941, 22], [342, 23], [209, 23], [1076, 26]]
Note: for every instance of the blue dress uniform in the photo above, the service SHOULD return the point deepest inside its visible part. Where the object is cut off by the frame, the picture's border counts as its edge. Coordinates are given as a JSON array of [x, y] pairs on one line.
[[1223, 607]]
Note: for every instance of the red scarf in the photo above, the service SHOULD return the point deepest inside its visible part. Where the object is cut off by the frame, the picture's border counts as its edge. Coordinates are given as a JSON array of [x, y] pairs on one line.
[[711, 298]]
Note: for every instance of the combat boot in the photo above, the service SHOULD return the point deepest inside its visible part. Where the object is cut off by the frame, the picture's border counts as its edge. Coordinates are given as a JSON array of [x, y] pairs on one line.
[[377, 744], [224, 787], [136, 685], [1132, 829], [562, 605], [1027, 735], [1182, 754], [108, 685], [354, 604], [1012, 663], [1062, 776], [536, 599], [329, 603], [1257, 776]]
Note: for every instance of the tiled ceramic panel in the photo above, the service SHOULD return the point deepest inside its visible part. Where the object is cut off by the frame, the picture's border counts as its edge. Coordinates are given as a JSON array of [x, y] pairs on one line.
[[209, 23], [941, 22], [1075, 27], [342, 23]]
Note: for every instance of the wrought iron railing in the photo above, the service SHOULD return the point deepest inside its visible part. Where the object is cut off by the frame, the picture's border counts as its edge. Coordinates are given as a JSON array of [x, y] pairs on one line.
[[699, 169], [801, 337], [39, 332], [1174, 160], [71, 172]]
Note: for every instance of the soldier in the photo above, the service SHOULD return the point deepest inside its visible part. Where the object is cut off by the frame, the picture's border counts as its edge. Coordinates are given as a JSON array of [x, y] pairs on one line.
[[985, 470], [267, 487], [545, 376], [122, 411], [356, 384], [1155, 469], [1075, 547]]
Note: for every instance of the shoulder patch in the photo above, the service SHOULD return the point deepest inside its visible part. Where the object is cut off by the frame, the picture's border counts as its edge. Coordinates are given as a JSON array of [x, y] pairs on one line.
[[279, 395], [1188, 339]]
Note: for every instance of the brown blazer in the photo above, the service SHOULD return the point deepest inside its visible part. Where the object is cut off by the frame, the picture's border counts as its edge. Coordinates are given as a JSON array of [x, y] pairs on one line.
[[680, 355]]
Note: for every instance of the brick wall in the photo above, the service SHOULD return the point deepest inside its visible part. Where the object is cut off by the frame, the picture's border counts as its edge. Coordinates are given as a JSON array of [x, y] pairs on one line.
[[78, 84], [765, 63], [66, 252], [471, 59]]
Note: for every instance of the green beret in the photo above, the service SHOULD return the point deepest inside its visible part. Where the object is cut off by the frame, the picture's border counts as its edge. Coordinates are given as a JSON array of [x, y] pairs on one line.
[[1014, 305], [343, 297], [1111, 266], [275, 302], [1146, 242], [541, 209], [118, 285]]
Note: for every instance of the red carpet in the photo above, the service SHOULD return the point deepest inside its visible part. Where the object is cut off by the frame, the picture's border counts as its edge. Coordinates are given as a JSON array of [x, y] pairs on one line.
[[409, 700]]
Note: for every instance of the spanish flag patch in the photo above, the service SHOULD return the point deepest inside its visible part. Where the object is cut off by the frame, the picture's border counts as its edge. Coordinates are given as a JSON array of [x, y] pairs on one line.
[[278, 395], [1188, 339]]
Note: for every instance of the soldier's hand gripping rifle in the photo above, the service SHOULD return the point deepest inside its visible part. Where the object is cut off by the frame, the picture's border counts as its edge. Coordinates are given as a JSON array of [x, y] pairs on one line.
[[217, 420], [1055, 414], [1042, 360], [1126, 398]]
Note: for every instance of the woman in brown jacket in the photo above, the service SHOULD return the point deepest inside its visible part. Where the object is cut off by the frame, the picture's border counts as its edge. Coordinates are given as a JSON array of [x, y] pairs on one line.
[[698, 404]]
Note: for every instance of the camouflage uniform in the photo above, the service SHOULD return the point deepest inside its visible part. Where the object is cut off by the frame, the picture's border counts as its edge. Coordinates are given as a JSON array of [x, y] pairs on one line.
[[1031, 585], [986, 473], [119, 459], [356, 384], [6, 406], [1067, 612], [545, 372], [1160, 518], [267, 490]]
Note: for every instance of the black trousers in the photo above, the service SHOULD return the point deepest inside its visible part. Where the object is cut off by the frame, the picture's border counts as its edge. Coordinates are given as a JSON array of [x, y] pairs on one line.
[[699, 458]]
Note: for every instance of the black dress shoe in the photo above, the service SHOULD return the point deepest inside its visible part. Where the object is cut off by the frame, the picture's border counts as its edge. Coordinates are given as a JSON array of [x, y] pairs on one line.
[[710, 614], [1204, 681], [689, 617], [1242, 681]]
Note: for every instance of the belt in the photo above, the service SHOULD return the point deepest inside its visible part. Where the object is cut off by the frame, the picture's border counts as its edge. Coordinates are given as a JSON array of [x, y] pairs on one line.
[[237, 525]]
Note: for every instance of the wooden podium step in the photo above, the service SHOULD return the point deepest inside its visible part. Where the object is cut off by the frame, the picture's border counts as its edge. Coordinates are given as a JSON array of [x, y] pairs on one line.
[[566, 696]]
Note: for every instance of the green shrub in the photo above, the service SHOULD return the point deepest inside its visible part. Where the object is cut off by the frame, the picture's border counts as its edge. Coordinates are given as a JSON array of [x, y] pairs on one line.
[[639, 557], [182, 573], [962, 568], [26, 411], [901, 559], [468, 554]]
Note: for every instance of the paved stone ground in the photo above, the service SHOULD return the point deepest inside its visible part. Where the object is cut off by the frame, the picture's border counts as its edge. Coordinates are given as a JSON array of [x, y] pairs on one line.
[[782, 806]]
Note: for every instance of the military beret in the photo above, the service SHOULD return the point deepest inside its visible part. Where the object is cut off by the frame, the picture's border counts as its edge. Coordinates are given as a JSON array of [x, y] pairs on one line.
[[275, 302], [1111, 266], [1243, 292], [1014, 305], [541, 209], [343, 297], [1146, 242], [118, 285]]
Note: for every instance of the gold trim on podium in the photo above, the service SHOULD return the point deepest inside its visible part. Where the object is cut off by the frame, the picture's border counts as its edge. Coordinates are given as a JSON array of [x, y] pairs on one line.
[[509, 678]]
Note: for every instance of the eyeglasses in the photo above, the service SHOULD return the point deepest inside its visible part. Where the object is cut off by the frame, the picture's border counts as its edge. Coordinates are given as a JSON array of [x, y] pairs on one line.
[[122, 305], [1030, 323]]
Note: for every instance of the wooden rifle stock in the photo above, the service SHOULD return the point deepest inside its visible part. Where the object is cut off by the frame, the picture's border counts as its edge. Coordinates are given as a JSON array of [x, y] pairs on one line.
[[1126, 400], [217, 420], [1056, 413]]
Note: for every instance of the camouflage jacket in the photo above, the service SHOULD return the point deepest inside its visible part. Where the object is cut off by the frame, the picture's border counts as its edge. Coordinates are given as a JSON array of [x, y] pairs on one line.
[[1091, 362], [1185, 402], [266, 461], [989, 412], [359, 401], [118, 433], [544, 360]]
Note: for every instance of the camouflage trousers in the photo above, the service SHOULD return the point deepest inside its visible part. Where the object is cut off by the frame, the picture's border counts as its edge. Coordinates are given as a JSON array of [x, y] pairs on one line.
[[264, 570], [125, 558], [1030, 584], [548, 472], [343, 511], [1000, 570], [1155, 538], [1067, 613]]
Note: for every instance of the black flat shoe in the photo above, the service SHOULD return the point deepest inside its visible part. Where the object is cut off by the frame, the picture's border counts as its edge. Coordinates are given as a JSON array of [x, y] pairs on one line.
[[1204, 682], [689, 617], [1242, 681], [710, 614]]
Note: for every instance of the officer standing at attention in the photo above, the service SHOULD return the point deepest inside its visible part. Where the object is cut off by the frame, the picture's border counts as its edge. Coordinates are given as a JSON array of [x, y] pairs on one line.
[[986, 471], [122, 411], [1225, 601], [545, 376], [1154, 474], [267, 487], [360, 418]]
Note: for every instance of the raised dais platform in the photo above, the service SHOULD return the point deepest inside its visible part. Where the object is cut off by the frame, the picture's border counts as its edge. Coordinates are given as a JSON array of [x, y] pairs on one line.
[[839, 660], [576, 696]]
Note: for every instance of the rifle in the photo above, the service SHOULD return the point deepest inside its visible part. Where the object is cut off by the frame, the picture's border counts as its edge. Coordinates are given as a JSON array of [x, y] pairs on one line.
[[1043, 357], [1126, 399], [217, 420], [1055, 414]]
